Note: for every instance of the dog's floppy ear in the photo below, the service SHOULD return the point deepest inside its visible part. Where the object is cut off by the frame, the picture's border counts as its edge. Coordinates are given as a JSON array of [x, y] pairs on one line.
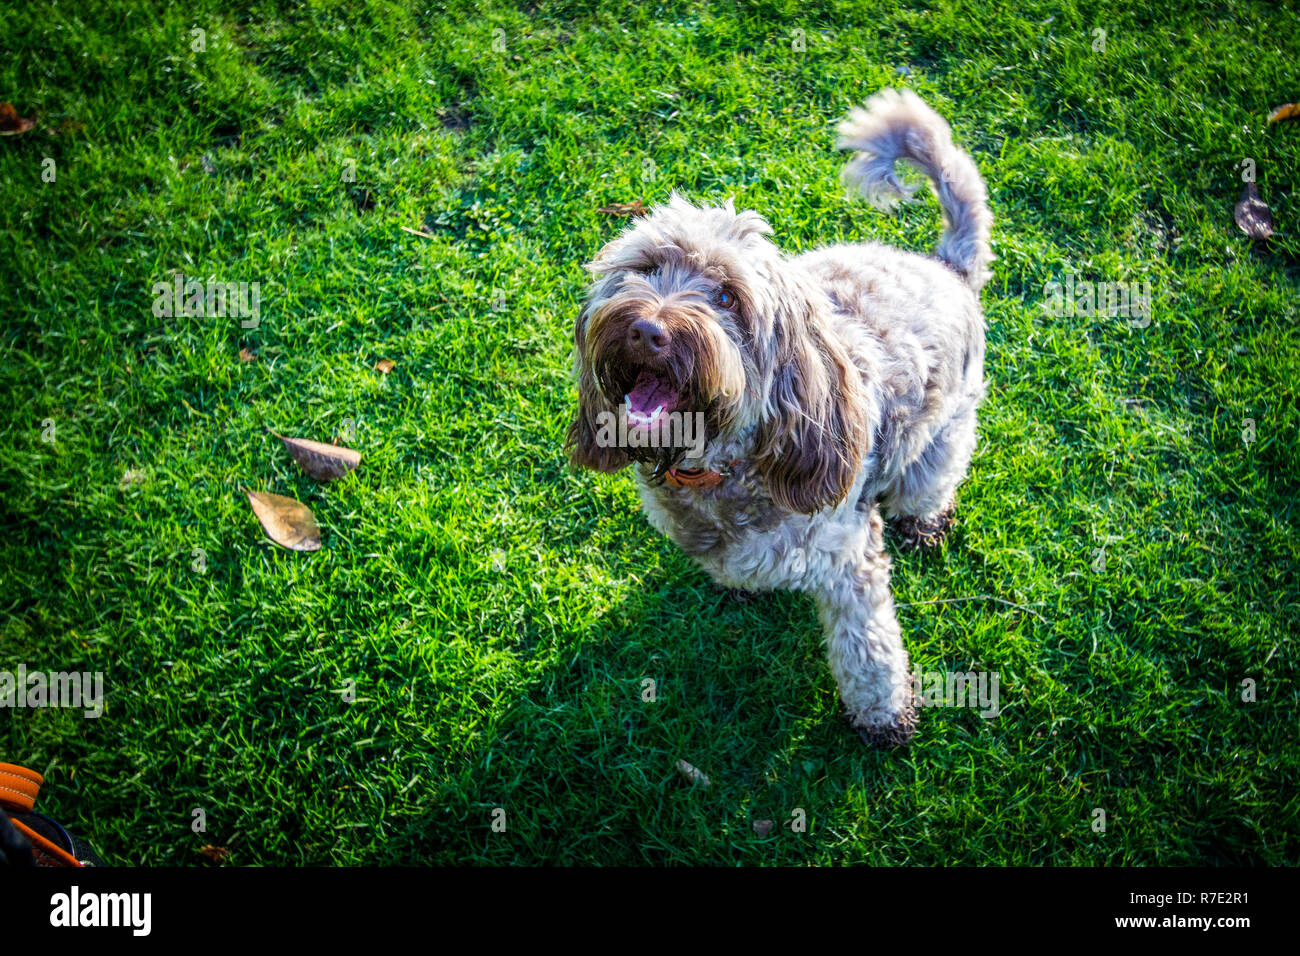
[[812, 442], [590, 441]]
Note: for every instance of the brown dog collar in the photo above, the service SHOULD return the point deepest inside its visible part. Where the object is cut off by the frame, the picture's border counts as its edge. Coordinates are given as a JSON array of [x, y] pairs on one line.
[[697, 477]]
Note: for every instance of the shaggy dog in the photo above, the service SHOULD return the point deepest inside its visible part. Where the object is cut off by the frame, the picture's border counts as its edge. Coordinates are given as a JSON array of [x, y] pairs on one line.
[[829, 386]]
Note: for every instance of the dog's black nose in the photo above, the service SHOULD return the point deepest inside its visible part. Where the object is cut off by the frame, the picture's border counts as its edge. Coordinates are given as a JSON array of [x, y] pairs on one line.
[[647, 337]]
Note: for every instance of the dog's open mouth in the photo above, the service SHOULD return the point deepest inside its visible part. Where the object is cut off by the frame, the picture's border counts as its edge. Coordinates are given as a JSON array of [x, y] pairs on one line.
[[651, 396]]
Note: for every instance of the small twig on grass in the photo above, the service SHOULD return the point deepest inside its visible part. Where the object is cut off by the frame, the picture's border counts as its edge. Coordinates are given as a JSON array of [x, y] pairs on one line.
[[977, 597]]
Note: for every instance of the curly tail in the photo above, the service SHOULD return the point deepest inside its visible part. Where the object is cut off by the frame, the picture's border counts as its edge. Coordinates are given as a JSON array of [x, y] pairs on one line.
[[895, 125]]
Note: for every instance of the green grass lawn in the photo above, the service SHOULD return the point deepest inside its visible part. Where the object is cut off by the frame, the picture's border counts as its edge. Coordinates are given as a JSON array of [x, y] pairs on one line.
[[499, 612]]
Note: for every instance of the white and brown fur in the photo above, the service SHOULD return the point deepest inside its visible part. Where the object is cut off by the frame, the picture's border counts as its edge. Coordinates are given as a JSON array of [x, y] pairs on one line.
[[835, 384]]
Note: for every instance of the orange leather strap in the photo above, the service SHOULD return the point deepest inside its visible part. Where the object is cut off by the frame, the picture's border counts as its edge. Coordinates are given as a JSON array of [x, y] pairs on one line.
[[18, 791], [45, 852], [19, 786]]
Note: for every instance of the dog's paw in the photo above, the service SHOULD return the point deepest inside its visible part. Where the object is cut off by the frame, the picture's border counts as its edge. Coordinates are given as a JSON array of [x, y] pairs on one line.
[[917, 534], [897, 732]]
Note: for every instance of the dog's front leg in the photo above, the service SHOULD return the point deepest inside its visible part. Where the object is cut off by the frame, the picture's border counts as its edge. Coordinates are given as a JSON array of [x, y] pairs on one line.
[[865, 650]]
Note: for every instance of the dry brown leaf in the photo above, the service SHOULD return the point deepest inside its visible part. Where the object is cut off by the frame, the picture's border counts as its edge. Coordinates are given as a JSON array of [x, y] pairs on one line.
[[384, 366], [216, 854], [1287, 111], [323, 462], [11, 124], [417, 232], [1253, 215], [633, 208], [691, 774], [246, 356], [763, 827], [288, 523]]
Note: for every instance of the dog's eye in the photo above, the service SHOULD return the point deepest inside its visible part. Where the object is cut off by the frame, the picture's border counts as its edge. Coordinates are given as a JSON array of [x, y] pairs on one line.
[[726, 299]]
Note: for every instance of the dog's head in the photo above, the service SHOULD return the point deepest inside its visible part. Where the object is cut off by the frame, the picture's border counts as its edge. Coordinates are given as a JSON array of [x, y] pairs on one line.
[[695, 312]]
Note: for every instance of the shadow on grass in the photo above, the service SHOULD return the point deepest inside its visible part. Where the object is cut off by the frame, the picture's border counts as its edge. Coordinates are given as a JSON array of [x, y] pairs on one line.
[[583, 761]]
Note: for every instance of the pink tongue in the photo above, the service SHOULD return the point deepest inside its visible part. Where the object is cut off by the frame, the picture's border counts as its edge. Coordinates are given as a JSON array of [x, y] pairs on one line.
[[649, 392]]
